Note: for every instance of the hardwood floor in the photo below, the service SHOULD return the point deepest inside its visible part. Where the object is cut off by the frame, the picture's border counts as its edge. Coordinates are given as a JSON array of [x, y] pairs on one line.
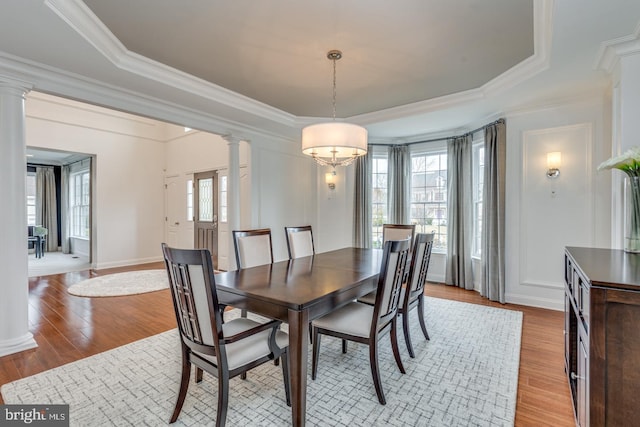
[[68, 328]]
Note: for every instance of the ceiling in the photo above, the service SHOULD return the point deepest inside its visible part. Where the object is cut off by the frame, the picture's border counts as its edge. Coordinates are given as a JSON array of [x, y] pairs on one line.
[[275, 51], [410, 69]]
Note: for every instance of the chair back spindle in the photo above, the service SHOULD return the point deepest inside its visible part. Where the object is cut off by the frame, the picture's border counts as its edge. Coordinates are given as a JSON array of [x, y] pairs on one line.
[[390, 282], [419, 265]]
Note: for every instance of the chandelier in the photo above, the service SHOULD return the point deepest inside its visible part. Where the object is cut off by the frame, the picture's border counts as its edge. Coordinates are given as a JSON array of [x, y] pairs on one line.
[[334, 143]]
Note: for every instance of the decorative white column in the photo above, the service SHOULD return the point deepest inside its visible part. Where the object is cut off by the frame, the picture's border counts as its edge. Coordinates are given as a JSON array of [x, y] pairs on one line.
[[233, 193], [14, 286]]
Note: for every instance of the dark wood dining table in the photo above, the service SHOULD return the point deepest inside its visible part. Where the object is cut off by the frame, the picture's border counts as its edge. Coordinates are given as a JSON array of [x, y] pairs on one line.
[[298, 291]]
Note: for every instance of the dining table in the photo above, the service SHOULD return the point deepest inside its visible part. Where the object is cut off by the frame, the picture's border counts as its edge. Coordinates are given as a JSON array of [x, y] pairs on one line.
[[297, 291]]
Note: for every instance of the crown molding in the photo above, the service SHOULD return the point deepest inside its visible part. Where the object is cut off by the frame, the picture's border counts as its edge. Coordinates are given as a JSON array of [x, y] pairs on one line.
[[611, 51], [82, 20], [54, 81]]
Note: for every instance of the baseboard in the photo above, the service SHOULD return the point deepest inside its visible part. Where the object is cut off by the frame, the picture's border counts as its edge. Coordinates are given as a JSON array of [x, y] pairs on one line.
[[25, 342], [126, 263], [548, 303], [435, 278]]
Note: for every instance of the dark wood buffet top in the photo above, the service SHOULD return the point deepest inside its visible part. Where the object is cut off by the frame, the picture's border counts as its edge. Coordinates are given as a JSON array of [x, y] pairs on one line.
[[611, 268]]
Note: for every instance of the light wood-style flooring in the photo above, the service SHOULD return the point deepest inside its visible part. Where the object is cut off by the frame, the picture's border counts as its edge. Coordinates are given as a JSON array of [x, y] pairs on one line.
[[69, 328]]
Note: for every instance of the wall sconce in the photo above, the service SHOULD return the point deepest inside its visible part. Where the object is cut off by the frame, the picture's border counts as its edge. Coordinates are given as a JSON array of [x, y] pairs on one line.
[[554, 160], [330, 179]]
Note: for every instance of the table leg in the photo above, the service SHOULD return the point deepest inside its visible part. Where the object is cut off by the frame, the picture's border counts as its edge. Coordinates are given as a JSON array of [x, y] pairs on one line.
[[298, 351]]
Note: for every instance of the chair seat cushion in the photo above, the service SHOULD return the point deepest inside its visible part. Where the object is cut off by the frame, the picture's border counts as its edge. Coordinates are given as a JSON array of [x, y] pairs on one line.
[[249, 349], [352, 319]]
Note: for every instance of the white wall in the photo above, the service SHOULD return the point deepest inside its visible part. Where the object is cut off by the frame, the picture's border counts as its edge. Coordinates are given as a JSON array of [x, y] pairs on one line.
[[129, 162], [283, 190], [544, 215], [334, 228]]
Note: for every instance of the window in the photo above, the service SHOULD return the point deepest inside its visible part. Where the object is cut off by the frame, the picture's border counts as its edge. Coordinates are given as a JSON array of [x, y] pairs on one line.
[[429, 194], [222, 203], [31, 198], [379, 197], [79, 195], [189, 200], [478, 188], [205, 204]]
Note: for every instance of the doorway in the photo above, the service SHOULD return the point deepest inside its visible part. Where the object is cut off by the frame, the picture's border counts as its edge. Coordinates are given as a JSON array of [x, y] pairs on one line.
[[205, 222], [60, 198]]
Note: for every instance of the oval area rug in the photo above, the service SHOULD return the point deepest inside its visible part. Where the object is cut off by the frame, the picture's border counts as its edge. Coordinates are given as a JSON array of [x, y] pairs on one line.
[[118, 284]]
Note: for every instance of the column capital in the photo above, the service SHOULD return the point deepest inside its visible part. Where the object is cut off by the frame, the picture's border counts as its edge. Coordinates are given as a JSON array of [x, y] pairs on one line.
[[232, 139], [9, 84]]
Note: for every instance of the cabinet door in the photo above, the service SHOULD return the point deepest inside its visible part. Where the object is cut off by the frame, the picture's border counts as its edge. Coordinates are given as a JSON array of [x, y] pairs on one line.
[[582, 401]]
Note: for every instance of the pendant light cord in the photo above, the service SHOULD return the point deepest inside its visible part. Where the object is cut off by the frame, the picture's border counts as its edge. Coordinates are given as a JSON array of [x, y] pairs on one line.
[[334, 89]]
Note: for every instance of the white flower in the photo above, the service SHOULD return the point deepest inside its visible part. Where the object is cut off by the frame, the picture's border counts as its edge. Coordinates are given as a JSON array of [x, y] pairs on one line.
[[628, 162]]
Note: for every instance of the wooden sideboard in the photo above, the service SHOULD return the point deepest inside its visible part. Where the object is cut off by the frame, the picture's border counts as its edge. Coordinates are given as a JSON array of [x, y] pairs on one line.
[[602, 335]]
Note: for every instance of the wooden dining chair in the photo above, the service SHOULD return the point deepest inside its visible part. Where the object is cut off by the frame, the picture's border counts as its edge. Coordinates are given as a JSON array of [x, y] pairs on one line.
[[412, 295], [299, 241], [252, 247], [364, 323], [223, 350]]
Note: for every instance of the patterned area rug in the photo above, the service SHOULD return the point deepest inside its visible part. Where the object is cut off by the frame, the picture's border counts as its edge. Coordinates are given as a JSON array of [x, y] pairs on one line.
[[117, 284], [467, 375]]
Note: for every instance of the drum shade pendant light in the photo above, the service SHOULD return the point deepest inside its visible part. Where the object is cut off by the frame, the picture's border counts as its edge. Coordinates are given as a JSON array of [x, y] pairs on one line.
[[334, 143]]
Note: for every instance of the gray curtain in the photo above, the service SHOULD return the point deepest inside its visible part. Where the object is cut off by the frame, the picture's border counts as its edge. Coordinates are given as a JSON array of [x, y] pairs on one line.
[[399, 184], [362, 202], [460, 213], [65, 232], [495, 141], [46, 211]]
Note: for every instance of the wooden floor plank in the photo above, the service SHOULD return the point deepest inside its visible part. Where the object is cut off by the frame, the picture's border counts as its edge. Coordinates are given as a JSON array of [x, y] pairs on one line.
[[68, 328]]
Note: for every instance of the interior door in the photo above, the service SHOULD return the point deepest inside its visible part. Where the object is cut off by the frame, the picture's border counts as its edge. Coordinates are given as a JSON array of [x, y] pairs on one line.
[[205, 224], [172, 210]]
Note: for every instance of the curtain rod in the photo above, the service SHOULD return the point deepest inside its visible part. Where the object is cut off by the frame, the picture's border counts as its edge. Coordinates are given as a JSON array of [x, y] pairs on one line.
[[444, 138]]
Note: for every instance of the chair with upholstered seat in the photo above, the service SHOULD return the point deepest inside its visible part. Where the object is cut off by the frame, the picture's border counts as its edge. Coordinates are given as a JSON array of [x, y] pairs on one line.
[[223, 350], [412, 294], [299, 241], [364, 323]]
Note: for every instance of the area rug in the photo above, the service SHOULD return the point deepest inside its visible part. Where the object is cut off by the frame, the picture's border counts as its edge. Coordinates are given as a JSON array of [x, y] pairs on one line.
[[467, 375], [117, 284]]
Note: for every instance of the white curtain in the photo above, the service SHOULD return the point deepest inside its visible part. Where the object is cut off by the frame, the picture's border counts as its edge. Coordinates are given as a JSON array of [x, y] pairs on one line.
[[460, 213], [46, 210], [399, 184]]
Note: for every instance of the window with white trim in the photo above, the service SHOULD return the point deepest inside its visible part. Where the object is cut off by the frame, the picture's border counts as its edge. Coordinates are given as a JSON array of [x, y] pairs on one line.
[[189, 200], [478, 188], [79, 196], [222, 202], [429, 194], [379, 211], [31, 198]]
